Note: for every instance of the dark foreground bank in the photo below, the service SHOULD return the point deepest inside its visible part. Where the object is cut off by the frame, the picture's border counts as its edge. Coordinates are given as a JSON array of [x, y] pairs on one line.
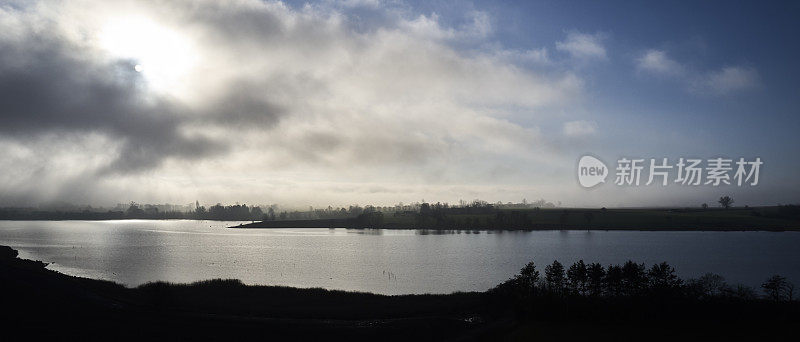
[[38, 302]]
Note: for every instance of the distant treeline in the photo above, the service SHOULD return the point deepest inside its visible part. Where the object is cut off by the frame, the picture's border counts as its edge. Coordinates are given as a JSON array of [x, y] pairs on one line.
[[436, 216], [243, 212], [237, 212], [476, 215], [485, 216]]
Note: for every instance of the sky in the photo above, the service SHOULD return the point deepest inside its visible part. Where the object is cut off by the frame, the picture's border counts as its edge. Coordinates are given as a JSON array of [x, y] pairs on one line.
[[378, 102]]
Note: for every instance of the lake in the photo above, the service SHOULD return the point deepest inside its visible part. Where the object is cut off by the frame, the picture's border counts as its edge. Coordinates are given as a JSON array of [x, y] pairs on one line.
[[133, 252]]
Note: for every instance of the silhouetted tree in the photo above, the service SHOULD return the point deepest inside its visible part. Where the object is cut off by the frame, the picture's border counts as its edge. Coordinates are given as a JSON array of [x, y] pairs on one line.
[[528, 276], [256, 213], [613, 280], [725, 201], [554, 276], [577, 278], [134, 210], [662, 277], [425, 209], [778, 288], [634, 278], [708, 285], [595, 274]]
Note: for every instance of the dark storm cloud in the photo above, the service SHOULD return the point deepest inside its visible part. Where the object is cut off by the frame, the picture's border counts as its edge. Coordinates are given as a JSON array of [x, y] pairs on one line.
[[244, 105], [48, 85]]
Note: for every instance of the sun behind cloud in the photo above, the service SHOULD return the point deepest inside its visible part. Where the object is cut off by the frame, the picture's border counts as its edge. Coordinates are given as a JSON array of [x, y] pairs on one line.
[[163, 55]]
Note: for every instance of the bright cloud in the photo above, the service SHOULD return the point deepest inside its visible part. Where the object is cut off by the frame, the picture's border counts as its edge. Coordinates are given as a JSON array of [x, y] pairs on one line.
[[657, 61], [583, 46]]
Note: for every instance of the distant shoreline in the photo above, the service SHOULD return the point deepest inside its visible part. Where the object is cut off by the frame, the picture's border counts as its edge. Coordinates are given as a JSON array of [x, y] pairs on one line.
[[320, 224], [735, 219], [258, 225], [594, 229]]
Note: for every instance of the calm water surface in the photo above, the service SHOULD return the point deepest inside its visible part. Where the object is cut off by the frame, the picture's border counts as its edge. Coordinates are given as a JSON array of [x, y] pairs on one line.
[[379, 261]]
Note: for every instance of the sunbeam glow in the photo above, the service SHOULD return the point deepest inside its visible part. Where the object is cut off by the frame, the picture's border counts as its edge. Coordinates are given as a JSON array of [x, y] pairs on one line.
[[162, 55]]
